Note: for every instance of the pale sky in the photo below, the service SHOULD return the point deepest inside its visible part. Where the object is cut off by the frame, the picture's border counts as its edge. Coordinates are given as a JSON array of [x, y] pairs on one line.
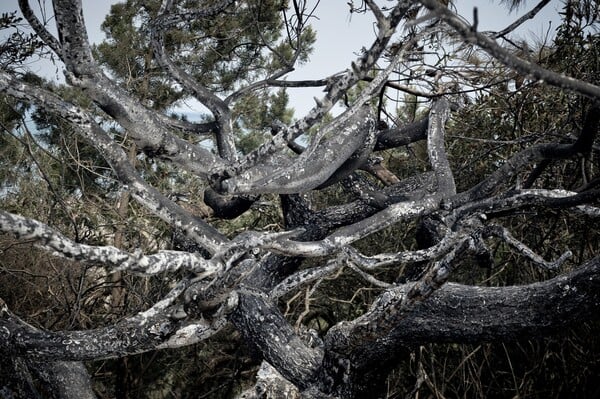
[[339, 35]]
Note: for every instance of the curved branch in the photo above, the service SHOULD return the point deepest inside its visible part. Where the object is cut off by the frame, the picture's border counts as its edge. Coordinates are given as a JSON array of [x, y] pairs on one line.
[[264, 325], [222, 113], [355, 161], [495, 313], [227, 207], [140, 333], [396, 137], [348, 234], [315, 165], [520, 199], [148, 196], [142, 124], [534, 154], [203, 129]]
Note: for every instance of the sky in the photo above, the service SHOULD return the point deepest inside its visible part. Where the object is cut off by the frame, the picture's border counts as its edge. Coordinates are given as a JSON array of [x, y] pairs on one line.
[[340, 35]]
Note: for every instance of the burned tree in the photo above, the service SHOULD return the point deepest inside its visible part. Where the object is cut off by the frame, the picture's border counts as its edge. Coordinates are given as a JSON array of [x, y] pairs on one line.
[[462, 101]]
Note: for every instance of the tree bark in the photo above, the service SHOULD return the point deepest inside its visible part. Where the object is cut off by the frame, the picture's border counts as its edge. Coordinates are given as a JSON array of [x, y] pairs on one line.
[[463, 314]]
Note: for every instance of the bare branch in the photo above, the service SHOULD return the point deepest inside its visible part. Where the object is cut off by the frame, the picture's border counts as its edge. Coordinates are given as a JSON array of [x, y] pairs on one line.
[[72, 34], [524, 67], [137, 334], [495, 312], [148, 196], [266, 326], [49, 239], [530, 15], [534, 154], [218, 107], [349, 234], [39, 28], [315, 165], [505, 235], [438, 115]]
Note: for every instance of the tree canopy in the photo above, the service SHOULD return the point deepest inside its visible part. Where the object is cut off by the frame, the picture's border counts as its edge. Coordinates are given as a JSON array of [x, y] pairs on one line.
[[429, 227]]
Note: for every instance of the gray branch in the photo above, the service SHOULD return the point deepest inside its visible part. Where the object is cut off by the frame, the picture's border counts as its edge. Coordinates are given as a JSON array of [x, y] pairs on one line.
[[315, 165], [143, 332], [46, 238], [142, 124], [438, 115], [218, 107], [148, 196], [524, 67]]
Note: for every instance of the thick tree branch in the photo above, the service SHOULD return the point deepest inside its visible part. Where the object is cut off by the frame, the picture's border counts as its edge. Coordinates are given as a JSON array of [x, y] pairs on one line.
[[346, 235], [200, 129], [140, 333], [438, 115], [400, 136], [315, 165], [531, 155], [494, 313], [265, 326], [72, 34]]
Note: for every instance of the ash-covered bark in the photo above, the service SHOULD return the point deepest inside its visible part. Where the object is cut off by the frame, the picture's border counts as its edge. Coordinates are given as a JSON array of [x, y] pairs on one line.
[[140, 333], [464, 314], [264, 326], [400, 136], [315, 165], [239, 277], [108, 256], [64, 380], [436, 149]]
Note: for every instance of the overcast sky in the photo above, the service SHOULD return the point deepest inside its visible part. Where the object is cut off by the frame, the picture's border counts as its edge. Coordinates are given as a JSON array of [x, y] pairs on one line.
[[339, 35]]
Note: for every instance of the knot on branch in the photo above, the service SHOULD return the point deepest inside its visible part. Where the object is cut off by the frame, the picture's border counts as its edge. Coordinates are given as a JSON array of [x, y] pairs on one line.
[[217, 181], [162, 329]]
